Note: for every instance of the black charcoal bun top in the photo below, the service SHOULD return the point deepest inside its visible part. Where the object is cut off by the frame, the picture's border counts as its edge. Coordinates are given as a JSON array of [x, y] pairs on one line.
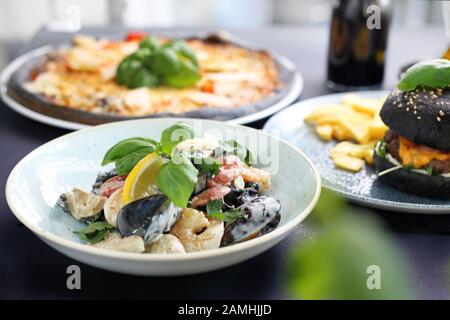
[[421, 115]]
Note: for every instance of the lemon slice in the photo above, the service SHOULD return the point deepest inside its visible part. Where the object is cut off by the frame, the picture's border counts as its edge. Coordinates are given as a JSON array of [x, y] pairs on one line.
[[141, 182]]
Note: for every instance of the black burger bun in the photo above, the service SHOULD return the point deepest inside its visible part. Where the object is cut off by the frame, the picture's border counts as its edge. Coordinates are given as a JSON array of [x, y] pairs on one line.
[[424, 185], [421, 115]]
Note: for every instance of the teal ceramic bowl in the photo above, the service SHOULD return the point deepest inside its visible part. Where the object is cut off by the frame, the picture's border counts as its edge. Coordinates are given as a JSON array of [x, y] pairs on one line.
[[36, 182]]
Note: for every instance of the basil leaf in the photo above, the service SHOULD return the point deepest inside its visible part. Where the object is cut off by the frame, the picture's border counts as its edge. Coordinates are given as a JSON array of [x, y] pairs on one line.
[[187, 75], [177, 181], [173, 135], [124, 147], [214, 207], [125, 164], [430, 170], [127, 68], [207, 165], [432, 73], [174, 63], [242, 152], [165, 61], [183, 49], [150, 43], [143, 78], [95, 232]]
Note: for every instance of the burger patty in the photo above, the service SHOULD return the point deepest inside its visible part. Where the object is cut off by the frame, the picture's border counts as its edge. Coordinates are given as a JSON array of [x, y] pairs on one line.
[[391, 139], [392, 144]]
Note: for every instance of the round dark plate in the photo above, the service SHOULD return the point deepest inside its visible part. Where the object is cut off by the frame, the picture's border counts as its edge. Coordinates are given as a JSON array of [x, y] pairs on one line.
[[38, 108]]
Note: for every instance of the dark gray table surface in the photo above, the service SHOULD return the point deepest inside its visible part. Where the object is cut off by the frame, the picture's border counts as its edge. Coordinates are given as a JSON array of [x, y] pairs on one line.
[[30, 269]]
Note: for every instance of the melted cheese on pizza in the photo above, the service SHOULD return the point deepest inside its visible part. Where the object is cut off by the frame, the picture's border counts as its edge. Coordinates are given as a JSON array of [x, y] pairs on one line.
[[82, 77]]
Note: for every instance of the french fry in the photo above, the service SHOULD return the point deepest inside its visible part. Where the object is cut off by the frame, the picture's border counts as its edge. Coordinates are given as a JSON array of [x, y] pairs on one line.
[[377, 128], [325, 132], [350, 99], [359, 130], [368, 156], [347, 163], [340, 133], [367, 105], [357, 123], [349, 149]]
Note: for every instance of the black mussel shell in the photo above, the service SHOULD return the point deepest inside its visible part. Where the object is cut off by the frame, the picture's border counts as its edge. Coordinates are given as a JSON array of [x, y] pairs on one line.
[[271, 225], [261, 215], [149, 217], [238, 197], [101, 178], [62, 203]]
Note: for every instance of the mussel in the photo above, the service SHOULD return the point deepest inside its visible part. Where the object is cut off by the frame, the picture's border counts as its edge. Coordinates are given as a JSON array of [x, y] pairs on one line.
[[149, 217], [238, 197], [261, 214], [101, 178]]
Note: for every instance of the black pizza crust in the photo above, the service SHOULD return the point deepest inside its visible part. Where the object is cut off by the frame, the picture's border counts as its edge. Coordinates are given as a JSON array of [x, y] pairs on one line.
[[423, 185], [41, 104], [421, 115]]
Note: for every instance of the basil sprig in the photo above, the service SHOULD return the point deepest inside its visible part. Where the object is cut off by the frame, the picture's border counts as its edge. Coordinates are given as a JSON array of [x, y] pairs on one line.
[[431, 74], [95, 232], [173, 64], [176, 178]]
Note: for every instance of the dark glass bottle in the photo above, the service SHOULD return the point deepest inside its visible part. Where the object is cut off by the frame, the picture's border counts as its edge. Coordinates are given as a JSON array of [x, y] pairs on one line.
[[357, 47]]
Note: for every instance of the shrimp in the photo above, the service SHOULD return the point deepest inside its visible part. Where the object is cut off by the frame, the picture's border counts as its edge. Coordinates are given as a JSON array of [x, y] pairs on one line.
[[196, 232], [209, 194], [258, 176], [112, 207], [231, 169], [167, 243], [111, 185]]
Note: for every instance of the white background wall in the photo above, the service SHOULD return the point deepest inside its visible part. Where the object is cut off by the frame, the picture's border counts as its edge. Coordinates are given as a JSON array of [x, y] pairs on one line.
[[19, 19]]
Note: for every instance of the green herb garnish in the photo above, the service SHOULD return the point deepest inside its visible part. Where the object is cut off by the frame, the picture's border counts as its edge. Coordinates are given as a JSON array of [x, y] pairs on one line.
[[173, 135], [380, 149], [207, 165], [214, 210], [95, 232], [125, 164], [127, 153], [173, 64], [214, 207], [430, 170], [125, 147], [177, 181], [431, 74]]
